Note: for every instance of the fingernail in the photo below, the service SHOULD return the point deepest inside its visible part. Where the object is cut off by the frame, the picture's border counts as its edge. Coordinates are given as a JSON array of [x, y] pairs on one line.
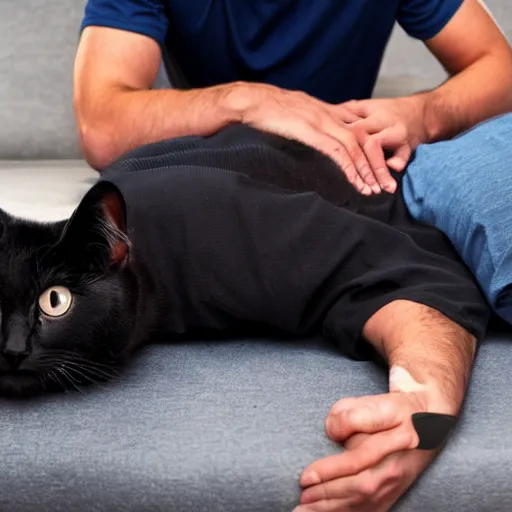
[[390, 187], [367, 190], [309, 477], [376, 189]]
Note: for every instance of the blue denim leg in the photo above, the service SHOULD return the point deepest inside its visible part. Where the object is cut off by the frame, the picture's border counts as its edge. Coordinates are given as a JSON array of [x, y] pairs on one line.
[[464, 188]]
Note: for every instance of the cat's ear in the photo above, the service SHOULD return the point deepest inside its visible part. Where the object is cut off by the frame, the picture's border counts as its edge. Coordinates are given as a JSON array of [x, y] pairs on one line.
[[97, 229]]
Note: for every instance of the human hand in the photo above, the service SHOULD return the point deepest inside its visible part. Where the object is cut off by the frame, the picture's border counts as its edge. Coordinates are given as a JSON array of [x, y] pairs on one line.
[[396, 125], [298, 116], [380, 461]]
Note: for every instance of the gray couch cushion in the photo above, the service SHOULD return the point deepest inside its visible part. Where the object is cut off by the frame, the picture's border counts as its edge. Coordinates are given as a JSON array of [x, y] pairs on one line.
[[38, 41], [227, 427]]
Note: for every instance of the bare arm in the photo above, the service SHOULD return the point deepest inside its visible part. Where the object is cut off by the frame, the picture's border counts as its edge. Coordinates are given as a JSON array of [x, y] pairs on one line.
[[436, 352], [380, 461], [116, 109], [478, 57]]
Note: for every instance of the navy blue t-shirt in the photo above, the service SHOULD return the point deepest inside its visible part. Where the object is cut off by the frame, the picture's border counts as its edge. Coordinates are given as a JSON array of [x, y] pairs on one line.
[[331, 49]]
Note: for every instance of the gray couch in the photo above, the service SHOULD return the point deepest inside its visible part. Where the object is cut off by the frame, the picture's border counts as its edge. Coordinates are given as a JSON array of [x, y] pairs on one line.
[[204, 426]]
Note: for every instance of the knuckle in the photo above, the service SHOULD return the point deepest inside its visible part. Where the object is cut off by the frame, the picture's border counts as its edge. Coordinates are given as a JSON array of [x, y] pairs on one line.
[[365, 172], [347, 164], [369, 486], [395, 471]]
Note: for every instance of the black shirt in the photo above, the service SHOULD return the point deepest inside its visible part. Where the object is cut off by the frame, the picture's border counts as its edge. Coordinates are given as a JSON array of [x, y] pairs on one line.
[[232, 241]]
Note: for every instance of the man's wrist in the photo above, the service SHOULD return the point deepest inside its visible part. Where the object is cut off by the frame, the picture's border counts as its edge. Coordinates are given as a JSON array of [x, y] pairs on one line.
[[427, 395], [415, 107], [436, 352], [441, 121], [240, 98]]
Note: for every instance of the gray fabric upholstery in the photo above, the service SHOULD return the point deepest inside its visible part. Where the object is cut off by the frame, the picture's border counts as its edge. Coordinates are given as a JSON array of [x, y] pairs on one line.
[[227, 427], [207, 426], [219, 426], [38, 40]]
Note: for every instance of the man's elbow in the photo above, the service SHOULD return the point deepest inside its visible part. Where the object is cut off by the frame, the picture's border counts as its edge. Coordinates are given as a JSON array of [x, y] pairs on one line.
[[98, 144]]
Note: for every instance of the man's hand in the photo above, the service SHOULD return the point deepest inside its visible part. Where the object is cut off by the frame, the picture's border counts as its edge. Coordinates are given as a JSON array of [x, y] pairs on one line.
[[396, 125], [298, 116], [379, 462], [430, 359]]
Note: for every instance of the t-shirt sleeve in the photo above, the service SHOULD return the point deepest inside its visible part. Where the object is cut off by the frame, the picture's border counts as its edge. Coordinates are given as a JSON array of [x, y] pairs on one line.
[[146, 17], [423, 19], [248, 252]]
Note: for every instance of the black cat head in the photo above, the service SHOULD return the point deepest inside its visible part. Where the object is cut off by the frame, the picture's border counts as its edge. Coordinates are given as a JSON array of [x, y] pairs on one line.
[[67, 296]]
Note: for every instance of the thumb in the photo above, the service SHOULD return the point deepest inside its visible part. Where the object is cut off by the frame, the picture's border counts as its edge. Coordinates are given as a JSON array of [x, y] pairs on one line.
[[369, 414], [399, 160], [358, 107]]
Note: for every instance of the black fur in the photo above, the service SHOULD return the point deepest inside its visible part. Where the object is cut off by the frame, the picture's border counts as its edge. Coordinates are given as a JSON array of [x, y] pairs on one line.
[[94, 337], [115, 305]]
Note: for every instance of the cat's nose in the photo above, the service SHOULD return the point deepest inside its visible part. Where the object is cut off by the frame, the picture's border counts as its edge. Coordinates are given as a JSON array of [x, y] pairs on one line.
[[14, 359]]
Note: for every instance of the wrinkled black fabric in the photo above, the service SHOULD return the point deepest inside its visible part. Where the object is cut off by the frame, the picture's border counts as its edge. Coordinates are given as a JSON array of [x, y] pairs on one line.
[[233, 240]]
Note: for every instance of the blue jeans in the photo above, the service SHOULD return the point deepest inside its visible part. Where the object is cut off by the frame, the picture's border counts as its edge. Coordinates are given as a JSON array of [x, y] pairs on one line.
[[464, 188]]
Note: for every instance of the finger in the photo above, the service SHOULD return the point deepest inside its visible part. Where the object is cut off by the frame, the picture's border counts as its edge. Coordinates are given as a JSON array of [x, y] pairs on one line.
[[351, 169], [400, 159], [349, 156], [373, 124], [341, 488], [345, 114], [391, 138], [354, 441], [365, 487], [368, 414], [375, 489], [330, 146], [373, 148], [367, 455], [357, 107], [375, 154], [353, 146]]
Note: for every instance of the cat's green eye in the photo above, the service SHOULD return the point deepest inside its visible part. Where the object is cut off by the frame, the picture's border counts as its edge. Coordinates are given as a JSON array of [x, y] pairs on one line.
[[55, 301]]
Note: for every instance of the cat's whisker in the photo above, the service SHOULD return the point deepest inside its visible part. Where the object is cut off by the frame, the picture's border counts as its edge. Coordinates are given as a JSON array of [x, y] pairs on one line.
[[92, 364], [85, 370], [55, 378], [100, 369], [69, 378], [76, 370], [91, 369], [75, 356], [42, 381]]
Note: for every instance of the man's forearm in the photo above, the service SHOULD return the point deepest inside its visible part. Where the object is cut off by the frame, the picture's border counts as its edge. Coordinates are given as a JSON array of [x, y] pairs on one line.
[[481, 91], [436, 352], [124, 119]]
